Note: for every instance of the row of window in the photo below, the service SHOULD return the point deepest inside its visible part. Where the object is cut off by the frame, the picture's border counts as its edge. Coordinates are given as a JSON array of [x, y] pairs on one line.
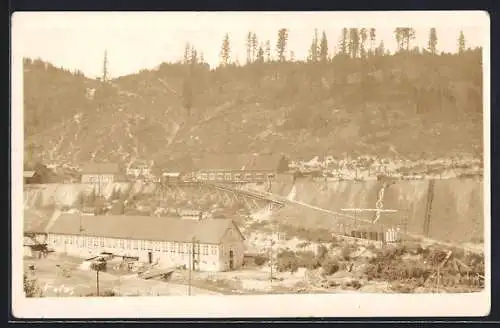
[[97, 178], [128, 244], [230, 176]]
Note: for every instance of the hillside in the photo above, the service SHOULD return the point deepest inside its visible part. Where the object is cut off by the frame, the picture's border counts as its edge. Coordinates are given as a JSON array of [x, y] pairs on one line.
[[414, 105]]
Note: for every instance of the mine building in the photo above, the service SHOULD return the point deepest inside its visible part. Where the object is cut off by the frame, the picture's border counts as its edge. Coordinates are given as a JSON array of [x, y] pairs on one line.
[[101, 174], [240, 168], [210, 245]]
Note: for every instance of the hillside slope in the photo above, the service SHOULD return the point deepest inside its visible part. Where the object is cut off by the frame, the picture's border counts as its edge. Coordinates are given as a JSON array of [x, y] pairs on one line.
[[409, 104]]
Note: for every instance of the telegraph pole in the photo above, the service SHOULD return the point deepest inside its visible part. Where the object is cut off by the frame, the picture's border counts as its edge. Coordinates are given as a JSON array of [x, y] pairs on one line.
[[97, 281], [105, 67], [191, 264]]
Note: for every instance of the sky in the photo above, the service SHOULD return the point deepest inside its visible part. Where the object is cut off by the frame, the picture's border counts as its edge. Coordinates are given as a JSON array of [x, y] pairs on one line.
[[135, 41]]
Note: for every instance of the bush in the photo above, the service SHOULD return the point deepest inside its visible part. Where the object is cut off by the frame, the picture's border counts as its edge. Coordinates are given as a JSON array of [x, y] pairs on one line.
[[322, 252], [330, 266], [287, 261], [291, 261], [31, 287], [346, 252], [303, 244], [260, 260], [104, 293]]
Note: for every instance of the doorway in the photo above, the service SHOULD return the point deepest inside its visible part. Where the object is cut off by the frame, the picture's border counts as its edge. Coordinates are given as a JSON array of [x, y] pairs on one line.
[[150, 257], [231, 260]]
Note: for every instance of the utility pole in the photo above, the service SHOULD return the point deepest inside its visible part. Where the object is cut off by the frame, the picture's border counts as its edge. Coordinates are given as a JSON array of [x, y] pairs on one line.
[[191, 264], [97, 280], [105, 67]]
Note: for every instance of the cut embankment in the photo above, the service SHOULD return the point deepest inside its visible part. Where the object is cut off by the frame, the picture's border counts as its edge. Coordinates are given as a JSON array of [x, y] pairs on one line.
[[451, 210], [46, 195]]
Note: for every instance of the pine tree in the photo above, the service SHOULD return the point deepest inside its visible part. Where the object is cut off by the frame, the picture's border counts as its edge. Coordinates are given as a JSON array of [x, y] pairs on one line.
[[268, 51], [249, 47], [399, 38], [292, 56], [194, 56], [260, 54], [344, 42], [406, 35], [187, 49], [105, 68], [225, 53], [380, 51], [313, 49], [373, 36], [353, 42], [432, 44], [363, 35], [202, 59], [461, 43], [254, 46], [323, 48], [281, 44]]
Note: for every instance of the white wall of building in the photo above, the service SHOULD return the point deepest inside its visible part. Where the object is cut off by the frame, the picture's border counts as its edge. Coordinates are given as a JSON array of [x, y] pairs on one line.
[[210, 257], [99, 181], [231, 241]]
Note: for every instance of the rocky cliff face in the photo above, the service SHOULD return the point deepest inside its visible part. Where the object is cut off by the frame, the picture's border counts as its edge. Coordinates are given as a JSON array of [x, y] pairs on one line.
[[454, 209]]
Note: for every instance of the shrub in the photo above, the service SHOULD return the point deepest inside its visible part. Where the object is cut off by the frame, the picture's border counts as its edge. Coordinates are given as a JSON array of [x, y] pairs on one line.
[[414, 248], [287, 262], [307, 260], [330, 266], [322, 252], [31, 287], [346, 252], [353, 284], [291, 261], [260, 260], [391, 253], [303, 244], [104, 293]]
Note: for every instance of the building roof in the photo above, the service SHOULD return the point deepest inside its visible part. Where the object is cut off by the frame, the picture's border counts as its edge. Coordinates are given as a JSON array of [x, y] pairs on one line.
[[267, 162], [101, 168], [29, 174], [143, 228], [35, 221]]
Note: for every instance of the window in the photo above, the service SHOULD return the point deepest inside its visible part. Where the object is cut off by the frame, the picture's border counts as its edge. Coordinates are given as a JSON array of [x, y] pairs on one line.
[[102, 241], [89, 242], [177, 247], [141, 245], [228, 176], [171, 247], [205, 249], [135, 244], [214, 249], [96, 241], [157, 246], [129, 244], [122, 244]]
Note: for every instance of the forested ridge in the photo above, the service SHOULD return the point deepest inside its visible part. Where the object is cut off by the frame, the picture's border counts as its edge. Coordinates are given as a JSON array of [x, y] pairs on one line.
[[358, 99]]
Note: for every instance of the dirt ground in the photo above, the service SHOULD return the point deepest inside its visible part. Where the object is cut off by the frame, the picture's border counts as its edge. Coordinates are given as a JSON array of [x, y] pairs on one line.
[[364, 268], [60, 275]]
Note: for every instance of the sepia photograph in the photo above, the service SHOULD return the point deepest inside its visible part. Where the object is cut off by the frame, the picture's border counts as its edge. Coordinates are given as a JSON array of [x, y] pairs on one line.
[[268, 163]]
